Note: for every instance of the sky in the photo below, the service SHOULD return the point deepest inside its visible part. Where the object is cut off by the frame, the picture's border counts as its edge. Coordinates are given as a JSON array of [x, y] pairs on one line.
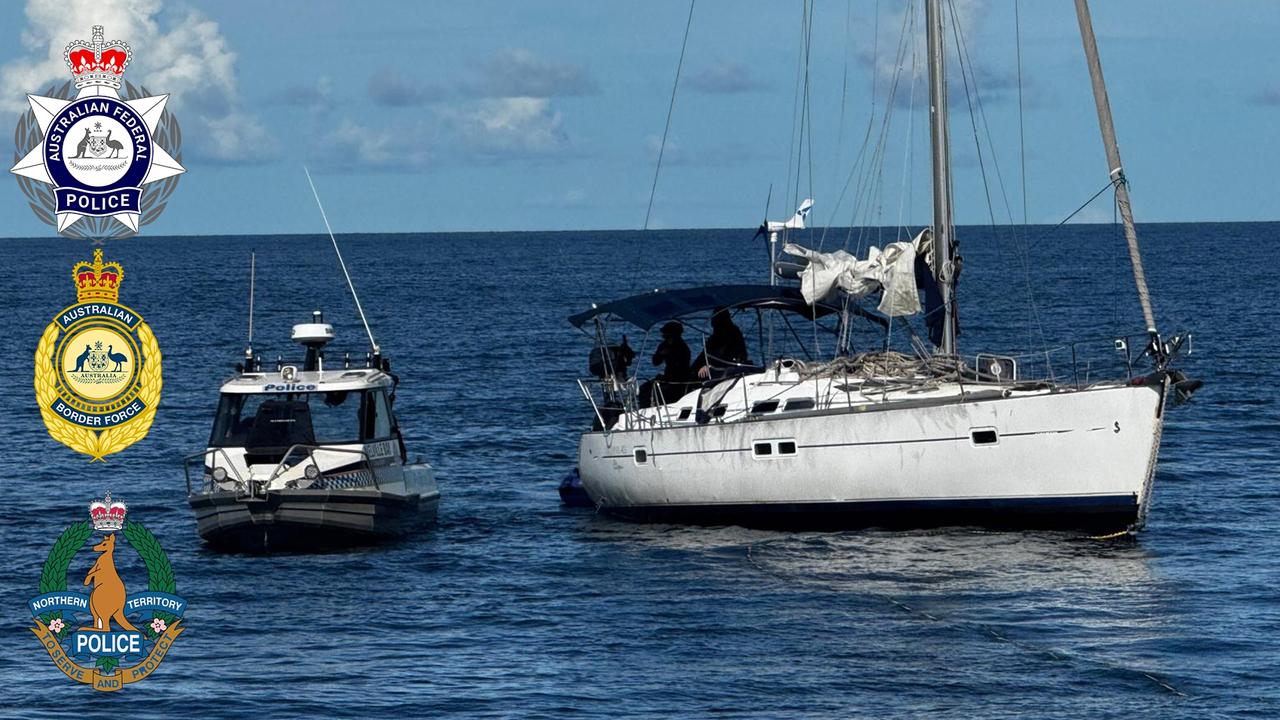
[[483, 115]]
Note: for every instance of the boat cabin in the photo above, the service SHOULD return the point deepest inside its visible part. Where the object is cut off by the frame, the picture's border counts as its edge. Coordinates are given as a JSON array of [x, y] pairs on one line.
[[267, 415], [311, 425], [775, 322]]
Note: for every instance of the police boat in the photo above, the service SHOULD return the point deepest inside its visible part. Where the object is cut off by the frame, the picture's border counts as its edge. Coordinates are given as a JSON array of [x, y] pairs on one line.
[[311, 456], [308, 457]]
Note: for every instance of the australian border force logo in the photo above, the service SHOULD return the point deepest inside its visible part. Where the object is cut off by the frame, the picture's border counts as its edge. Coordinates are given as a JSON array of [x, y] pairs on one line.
[[95, 154], [97, 367], [106, 637]]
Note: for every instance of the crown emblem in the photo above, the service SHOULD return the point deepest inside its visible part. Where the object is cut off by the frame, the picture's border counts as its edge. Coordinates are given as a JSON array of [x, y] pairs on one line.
[[107, 516], [97, 63], [97, 281]]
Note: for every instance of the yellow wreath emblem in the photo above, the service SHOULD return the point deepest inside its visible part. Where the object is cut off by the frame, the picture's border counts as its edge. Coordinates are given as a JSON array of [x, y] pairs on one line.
[[98, 444]]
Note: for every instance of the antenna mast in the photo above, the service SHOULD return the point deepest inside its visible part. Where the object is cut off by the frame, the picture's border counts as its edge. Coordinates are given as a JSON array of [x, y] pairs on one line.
[[248, 349], [372, 343]]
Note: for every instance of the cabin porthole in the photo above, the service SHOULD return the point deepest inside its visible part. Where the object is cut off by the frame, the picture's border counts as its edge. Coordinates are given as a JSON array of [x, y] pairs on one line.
[[764, 406], [773, 449], [984, 436], [799, 404], [641, 456]]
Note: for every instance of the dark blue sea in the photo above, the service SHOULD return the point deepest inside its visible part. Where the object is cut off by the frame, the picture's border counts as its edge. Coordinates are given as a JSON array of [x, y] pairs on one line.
[[515, 607]]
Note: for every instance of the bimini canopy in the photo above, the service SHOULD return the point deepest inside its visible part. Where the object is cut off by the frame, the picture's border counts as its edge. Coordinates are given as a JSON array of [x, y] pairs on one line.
[[645, 311]]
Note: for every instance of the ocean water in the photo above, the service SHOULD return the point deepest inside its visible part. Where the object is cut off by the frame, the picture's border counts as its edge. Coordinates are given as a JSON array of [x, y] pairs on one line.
[[514, 606]]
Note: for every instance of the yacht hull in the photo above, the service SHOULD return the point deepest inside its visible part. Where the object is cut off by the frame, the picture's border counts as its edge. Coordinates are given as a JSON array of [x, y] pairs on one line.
[[306, 520], [1067, 459]]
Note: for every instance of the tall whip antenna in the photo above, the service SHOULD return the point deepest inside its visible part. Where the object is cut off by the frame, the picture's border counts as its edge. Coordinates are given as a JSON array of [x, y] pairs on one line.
[[372, 343], [248, 350]]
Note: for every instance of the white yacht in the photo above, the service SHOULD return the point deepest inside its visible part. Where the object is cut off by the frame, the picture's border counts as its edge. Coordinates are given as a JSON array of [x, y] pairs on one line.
[[876, 438]]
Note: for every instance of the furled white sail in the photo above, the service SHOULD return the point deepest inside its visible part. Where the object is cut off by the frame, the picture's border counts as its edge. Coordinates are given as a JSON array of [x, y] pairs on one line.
[[891, 268]]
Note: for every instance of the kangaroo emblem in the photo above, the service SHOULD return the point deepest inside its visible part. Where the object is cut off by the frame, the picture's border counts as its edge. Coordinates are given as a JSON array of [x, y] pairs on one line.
[[83, 356], [106, 599], [84, 143]]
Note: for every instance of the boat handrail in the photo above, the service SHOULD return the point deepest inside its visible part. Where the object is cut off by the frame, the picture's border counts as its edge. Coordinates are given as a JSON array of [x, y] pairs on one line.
[[344, 360], [203, 455], [311, 456], [582, 385]]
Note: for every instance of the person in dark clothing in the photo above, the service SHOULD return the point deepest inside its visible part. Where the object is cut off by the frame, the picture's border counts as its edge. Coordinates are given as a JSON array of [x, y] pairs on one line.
[[673, 354], [725, 348]]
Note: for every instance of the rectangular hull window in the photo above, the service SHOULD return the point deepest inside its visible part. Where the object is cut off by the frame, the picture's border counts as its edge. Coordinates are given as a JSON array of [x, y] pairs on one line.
[[984, 436]]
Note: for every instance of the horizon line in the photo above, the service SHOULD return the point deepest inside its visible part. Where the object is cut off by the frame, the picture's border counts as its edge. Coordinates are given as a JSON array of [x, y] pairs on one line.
[[638, 230]]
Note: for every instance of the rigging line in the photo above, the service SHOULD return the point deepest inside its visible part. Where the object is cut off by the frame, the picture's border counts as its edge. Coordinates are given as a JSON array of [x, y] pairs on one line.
[[875, 188], [873, 182], [872, 173], [808, 111], [1019, 244], [793, 159], [808, 103], [973, 119], [864, 188], [1022, 133], [866, 137], [871, 120], [907, 169], [844, 82], [802, 82], [805, 129], [653, 189], [372, 343], [862, 159], [1086, 204]]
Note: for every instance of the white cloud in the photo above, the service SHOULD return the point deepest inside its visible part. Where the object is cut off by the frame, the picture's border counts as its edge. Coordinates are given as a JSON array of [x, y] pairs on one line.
[[510, 73], [724, 77], [317, 96], [233, 138], [354, 146], [395, 88], [513, 125], [520, 73], [500, 109], [712, 154], [180, 52], [993, 83]]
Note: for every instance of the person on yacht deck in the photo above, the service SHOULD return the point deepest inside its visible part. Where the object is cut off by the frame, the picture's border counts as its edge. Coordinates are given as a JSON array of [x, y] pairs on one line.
[[724, 349], [673, 354]]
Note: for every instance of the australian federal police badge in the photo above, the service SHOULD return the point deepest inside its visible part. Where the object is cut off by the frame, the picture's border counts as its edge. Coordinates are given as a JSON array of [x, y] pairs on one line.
[[98, 367], [124, 636], [97, 157]]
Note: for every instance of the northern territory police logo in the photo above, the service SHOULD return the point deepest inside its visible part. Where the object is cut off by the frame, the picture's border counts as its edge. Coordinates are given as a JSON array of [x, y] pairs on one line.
[[98, 152], [106, 637], [98, 367]]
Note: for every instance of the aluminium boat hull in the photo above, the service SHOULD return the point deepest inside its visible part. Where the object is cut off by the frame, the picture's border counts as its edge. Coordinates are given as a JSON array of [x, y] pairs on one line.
[[1060, 460], [307, 520]]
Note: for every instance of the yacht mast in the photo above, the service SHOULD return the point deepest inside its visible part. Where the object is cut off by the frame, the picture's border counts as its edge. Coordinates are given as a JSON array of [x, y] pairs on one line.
[[1114, 165], [943, 223]]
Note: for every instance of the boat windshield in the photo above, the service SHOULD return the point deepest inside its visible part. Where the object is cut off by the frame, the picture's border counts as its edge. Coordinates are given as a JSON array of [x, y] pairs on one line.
[[277, 421]]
